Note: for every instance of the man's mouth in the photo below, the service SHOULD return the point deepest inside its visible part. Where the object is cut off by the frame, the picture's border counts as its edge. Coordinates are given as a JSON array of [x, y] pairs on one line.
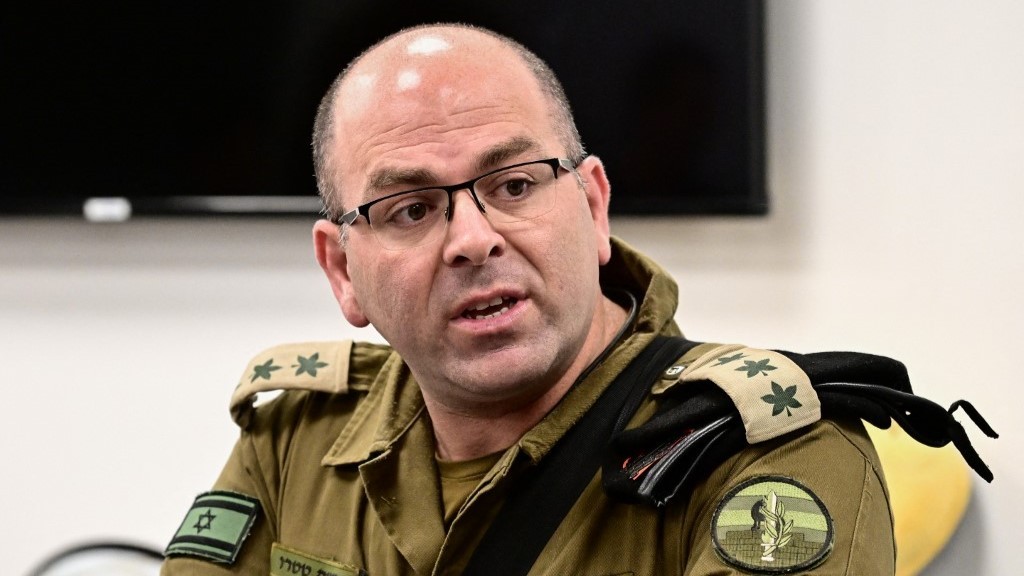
[[491, 309]]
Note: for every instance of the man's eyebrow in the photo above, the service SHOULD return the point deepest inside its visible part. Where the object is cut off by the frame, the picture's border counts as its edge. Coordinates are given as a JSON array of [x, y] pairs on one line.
[[387, 178], [501, 154], [494, 157]]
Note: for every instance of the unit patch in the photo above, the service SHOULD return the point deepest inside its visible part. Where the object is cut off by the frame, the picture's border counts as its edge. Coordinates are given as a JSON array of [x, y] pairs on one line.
[[215, 527], [772, 525], [285, 561]]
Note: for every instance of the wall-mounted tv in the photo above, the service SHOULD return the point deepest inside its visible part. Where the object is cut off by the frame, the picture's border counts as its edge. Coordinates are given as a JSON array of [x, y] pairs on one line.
[[206, 108]]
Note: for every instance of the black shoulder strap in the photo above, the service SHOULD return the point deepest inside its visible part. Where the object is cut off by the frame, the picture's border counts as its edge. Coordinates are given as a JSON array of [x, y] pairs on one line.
[[539, 501]]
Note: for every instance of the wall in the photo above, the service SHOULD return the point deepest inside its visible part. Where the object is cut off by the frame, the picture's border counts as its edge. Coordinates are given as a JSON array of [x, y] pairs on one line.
[[897, 184]]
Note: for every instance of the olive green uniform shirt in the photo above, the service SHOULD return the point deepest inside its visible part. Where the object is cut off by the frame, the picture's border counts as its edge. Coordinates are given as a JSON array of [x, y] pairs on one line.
[[352, 477]]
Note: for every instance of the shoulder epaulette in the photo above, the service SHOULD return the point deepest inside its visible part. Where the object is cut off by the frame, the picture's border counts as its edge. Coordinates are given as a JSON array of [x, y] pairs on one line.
[[762, 384], [334, 367], [720, 398]]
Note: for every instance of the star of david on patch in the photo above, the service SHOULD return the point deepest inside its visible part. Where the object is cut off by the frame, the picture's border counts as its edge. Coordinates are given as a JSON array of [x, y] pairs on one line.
[[205, 522], [215, 527]]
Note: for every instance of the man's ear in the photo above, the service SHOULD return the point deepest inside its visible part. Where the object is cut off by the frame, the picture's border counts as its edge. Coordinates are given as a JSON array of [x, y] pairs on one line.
[[334, 262], [598, 192]]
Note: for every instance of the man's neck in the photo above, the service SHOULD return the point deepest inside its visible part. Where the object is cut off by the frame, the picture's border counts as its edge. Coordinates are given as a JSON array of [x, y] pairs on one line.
[[462, 436]]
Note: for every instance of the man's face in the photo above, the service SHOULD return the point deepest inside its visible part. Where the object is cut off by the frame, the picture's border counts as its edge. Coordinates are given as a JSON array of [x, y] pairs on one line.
[[409, 119]]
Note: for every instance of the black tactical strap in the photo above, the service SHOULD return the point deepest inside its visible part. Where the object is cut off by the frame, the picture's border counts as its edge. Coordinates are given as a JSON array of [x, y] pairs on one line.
[[698, 426], [539, 501]]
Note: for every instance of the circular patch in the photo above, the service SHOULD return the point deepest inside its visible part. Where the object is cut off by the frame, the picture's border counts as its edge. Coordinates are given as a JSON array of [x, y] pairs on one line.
[[772, 525]]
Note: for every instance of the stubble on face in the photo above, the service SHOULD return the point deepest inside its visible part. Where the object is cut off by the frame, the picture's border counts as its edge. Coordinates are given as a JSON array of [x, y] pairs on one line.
[[441, 123]]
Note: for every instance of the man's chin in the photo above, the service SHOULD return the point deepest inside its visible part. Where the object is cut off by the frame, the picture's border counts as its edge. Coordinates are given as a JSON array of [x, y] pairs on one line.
[[502, 376]]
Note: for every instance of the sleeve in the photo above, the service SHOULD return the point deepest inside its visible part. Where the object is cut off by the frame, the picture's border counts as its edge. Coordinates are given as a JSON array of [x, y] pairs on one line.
[[232, 528], [245, 477], [775, 499]]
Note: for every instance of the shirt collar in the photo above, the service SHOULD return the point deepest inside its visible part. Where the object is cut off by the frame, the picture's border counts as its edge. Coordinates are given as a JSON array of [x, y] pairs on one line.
[[394, 401]]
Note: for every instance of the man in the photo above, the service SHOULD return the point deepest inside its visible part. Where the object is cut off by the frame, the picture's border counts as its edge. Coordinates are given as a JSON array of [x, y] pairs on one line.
[[509, 309]]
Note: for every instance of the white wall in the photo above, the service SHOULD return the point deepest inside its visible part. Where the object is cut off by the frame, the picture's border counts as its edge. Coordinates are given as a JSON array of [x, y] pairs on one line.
[[897, 182]]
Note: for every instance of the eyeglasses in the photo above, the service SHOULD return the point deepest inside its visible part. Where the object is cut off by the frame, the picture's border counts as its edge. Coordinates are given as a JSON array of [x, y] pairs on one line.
[[414, 217]]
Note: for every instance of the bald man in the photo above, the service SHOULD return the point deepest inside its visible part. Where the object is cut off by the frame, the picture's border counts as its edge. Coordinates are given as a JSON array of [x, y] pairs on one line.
[[468, 227]]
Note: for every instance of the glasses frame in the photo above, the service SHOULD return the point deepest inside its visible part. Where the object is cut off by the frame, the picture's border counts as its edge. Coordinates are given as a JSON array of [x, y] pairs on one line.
[[470, 185]]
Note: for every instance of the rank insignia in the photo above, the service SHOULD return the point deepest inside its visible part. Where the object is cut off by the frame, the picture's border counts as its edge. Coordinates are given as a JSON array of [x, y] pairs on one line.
[[772, 525], [215, 527]]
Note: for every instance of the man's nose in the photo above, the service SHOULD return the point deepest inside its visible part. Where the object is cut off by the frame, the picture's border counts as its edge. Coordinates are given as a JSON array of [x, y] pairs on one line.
[[469, 238]]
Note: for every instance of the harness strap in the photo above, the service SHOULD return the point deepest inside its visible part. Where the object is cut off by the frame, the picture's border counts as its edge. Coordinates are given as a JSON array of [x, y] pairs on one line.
[[539, 500]]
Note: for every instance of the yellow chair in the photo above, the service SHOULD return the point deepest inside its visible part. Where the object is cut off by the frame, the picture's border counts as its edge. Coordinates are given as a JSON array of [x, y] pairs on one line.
[[929, 489]]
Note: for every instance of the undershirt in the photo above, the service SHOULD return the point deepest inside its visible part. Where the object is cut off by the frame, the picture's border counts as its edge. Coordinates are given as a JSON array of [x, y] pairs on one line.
[[459, 479]]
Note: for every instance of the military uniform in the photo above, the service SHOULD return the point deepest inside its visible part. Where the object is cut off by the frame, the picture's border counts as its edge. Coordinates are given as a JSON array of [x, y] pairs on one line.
[[345, 479]]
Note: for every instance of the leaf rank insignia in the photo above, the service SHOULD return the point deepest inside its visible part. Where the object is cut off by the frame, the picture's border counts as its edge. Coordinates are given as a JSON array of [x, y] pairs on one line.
[[782, 399], [772, 394], [772, 525], [263, 370], [313, 366], [752, 368], [215, 527], [309, 365]]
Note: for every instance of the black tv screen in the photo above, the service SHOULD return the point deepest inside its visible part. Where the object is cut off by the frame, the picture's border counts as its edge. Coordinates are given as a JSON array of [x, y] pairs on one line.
[[207, 108]]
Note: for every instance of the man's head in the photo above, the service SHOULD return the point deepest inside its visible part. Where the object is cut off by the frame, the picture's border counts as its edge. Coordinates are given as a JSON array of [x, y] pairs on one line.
[[490, 313], [323, 127]]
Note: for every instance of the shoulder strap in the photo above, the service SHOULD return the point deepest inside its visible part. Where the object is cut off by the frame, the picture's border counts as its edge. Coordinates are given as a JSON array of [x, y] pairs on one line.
[[333, 367], [700, 425], [539, 501]]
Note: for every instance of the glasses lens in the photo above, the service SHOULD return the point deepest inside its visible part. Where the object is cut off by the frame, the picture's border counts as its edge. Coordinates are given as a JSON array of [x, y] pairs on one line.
[[518, 193], [409, 219]]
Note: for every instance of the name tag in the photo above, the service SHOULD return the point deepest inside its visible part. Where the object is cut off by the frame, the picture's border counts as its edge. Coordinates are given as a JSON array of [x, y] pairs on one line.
[[286, 561]]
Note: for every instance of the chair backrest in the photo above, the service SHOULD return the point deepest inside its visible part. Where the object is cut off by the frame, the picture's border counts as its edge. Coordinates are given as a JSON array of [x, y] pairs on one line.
[[929, 490], [103, 558]]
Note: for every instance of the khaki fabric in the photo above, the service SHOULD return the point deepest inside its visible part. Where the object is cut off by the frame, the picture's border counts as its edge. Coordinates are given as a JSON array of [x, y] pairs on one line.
[[459, 479], [334, 367], [755, 379], [352, 478]]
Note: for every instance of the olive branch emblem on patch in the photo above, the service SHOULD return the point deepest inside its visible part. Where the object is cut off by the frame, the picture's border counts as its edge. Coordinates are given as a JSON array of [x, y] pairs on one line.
[[792, 530], [776, 531]]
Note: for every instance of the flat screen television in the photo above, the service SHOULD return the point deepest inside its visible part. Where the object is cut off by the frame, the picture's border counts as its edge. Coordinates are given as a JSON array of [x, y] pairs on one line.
[[206, 108]]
